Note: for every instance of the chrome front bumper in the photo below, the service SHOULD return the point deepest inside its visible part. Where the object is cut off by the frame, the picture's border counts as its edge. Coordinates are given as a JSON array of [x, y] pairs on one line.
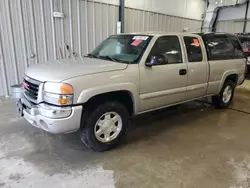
[[65, 120]]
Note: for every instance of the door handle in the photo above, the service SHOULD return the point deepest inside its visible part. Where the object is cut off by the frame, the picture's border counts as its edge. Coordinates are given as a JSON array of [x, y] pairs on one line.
[[183, 72]]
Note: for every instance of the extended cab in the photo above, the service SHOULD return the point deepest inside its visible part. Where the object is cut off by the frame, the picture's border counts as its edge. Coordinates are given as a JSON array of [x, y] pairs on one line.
[[126, 75]]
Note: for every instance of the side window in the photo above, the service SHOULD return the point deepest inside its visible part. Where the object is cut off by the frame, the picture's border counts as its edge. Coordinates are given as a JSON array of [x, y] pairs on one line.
[[167, 47], [238, 51], [193, 48], [224, 47]]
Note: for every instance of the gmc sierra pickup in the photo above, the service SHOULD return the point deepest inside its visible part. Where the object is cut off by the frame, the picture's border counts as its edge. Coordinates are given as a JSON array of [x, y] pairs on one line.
[[126, 75]]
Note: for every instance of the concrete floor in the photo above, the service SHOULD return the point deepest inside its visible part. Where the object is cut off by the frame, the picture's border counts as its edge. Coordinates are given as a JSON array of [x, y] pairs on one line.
[[188, 146]]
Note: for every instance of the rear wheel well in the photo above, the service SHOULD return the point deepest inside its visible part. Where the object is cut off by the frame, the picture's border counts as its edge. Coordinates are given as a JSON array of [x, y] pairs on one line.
[[232, 77], [123, 97]]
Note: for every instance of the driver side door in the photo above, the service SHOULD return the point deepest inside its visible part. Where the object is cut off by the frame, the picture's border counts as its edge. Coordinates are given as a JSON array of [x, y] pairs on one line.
[[164, 83]]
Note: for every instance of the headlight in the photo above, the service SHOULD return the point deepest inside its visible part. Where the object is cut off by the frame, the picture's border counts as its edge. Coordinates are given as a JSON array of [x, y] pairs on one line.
[[58, 93], [54, 112]]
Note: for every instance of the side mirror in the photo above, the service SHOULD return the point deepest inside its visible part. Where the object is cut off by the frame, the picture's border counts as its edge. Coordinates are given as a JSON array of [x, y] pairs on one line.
[[156, 60]]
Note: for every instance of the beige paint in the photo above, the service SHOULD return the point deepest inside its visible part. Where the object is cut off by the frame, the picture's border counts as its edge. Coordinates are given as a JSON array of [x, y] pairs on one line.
[[150, 87]]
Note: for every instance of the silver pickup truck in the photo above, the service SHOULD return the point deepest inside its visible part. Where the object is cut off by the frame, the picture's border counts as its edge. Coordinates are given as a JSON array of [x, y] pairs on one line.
[[126, 75]]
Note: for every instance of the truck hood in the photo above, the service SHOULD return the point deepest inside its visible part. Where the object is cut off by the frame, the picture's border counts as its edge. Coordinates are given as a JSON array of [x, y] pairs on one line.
[[59, 70]]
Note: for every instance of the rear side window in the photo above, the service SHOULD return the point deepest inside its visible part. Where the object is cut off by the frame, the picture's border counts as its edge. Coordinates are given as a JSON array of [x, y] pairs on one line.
[[193, 48], [238, 51], [223, 47]]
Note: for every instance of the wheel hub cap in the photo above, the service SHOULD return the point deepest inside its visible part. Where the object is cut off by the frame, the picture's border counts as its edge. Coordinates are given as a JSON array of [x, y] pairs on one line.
[[108, 127], [227, 94]]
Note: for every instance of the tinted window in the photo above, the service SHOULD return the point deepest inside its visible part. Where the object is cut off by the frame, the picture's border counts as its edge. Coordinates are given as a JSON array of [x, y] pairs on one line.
[[168, 47], [223, 47], [193, 48], [238, 51]]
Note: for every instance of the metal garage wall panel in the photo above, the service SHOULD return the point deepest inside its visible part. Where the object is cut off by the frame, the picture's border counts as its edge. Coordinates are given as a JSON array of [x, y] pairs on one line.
[[151, 22], [29, 31], [104, 21], [167, 23], [83, 27], [50, 45], [177, 24], [91, 25], [31, 14], [138, 20], [146, 22], [154, 19], [112, 10], [238, 27], [75, 32], [39, 28], [67, 28], [140, 25], [229, 26], [3, 76], [19, 46], [220, 26], [98, 23], [58, 29], [192, 26], [8, 43], [128, 24], [248, 27]]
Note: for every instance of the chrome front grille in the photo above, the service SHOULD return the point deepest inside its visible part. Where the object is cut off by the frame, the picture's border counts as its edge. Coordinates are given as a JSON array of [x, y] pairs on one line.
[[31, 89]]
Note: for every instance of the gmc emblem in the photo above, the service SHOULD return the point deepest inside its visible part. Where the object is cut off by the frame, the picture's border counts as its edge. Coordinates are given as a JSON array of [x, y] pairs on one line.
[[25, 86]]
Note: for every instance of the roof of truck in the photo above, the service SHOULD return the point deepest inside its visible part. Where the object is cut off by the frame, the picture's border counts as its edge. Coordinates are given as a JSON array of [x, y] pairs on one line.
[[156, 33], [159, 33], [148, 33]]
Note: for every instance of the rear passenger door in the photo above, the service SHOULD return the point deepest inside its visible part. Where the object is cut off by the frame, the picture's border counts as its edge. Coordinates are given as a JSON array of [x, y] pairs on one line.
[[198, 68]]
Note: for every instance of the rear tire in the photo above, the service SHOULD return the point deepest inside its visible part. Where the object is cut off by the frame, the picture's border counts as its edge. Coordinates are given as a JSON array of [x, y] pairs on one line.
[[225, 97], [105, 126]]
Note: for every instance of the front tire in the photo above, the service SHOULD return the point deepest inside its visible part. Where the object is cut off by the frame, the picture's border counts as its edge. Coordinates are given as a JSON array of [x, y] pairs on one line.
[[225, 97], [105, 126]]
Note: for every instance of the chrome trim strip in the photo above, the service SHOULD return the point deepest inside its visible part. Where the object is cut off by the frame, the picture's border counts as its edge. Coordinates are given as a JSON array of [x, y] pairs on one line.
[[33, 81]]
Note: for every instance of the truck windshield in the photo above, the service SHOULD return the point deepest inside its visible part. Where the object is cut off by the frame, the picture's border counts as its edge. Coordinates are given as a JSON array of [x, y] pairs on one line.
[[122, 48]]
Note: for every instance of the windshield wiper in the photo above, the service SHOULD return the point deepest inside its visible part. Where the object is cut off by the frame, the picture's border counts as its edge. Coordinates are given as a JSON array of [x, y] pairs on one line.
[[109, 58], [106, 58], [102, 57], [91, 55]]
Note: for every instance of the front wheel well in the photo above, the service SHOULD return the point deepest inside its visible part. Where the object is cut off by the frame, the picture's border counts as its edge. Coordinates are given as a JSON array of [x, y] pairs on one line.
[[123, 97]]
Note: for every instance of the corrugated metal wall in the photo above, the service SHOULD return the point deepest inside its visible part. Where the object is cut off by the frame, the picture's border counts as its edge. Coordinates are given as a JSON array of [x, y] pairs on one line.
[[139, 20], [231, 26], [29, 34]]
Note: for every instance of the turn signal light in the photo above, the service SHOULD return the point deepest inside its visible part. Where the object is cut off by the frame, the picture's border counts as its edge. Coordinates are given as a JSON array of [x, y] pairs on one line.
[[63, 101]]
